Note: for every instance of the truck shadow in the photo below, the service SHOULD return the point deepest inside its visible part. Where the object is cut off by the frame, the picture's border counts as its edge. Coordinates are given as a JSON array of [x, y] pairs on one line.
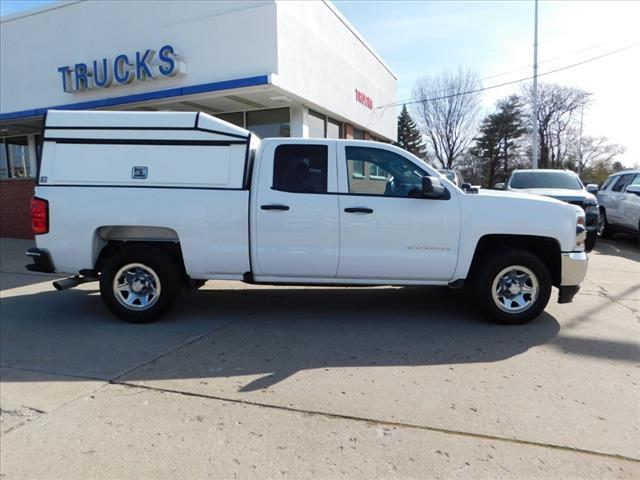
[[259, 336], [620, 245], [9, 280]]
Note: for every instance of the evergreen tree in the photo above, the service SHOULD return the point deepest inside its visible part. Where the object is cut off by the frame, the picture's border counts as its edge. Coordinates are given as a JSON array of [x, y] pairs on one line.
[[409, 136], [498, 139]]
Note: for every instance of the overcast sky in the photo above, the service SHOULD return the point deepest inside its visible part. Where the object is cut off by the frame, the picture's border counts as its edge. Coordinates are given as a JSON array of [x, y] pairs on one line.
[[422, 38]]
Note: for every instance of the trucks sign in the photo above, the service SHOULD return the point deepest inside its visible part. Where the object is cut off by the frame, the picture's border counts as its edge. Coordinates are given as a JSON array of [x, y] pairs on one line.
[[121, 70], [364, 99]]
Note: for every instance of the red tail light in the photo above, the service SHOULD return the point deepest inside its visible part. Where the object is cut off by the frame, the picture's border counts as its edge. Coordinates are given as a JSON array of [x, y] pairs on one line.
[[39, 216]]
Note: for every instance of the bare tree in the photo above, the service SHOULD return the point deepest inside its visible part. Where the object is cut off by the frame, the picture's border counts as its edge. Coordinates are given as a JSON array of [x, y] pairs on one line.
[[558, 108], [448, 107], [594, 158]]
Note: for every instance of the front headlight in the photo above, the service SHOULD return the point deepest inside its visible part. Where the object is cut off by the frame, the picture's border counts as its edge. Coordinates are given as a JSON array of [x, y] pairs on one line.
[[591, 205], [592, 209], [581, 230]]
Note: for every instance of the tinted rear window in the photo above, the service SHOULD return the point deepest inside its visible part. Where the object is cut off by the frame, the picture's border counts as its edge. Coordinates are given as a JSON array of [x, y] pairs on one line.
[[300, 168]]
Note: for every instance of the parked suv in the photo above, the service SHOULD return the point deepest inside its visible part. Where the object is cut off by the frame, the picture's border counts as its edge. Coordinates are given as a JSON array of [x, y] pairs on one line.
[[562, 185], [619, 200]]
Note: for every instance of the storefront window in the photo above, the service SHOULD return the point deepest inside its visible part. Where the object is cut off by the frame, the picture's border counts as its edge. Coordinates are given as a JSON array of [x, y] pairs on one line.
[[270, 123], [357, 169], [15, 162], [334, 128], [236, 118], [316, 123], [358, 134], [4, 164]]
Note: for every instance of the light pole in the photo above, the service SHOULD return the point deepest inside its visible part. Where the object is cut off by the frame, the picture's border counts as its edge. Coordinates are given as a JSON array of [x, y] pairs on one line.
[[535, 146], [584, 100]]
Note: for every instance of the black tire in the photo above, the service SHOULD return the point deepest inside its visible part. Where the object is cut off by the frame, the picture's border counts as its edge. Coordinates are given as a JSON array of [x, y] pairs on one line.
[[590, 242], [604, 230], [488, 269], [158, 262]]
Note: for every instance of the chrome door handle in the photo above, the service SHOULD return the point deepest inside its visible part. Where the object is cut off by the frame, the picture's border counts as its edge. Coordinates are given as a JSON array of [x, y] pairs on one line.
[[280, 208]]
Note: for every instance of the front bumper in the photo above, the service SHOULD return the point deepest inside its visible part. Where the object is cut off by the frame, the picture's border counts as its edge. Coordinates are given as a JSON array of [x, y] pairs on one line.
[[574, 270]]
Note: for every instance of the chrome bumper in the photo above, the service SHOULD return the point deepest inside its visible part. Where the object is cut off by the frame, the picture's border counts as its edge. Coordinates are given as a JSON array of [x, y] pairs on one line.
[[574, 268]]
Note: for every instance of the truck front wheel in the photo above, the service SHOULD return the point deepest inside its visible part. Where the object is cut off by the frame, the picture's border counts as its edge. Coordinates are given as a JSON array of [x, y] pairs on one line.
[[604, 229], [512, 287], [140, 284]]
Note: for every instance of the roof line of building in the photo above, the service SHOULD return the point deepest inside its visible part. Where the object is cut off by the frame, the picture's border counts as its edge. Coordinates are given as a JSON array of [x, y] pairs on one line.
[[36, 10], [357, 34], [328, 3]]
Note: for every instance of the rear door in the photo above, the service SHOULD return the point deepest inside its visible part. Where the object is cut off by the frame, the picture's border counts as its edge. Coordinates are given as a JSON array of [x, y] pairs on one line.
[[295, 211], [388, 231]]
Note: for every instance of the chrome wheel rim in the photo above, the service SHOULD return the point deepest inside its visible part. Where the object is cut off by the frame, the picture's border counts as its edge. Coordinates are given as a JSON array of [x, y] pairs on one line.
[[515, 289], [136, 286]]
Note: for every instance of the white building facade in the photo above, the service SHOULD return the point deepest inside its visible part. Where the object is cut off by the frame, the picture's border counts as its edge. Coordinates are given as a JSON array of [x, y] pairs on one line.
[[278, 68]]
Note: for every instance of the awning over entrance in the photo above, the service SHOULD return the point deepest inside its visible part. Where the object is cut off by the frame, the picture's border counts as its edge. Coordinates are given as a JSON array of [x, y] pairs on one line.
[[205, 98]]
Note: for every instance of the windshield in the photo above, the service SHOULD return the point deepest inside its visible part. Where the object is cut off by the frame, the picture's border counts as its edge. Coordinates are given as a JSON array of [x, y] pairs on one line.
[[565, 180], [449, 174], [452, 176]]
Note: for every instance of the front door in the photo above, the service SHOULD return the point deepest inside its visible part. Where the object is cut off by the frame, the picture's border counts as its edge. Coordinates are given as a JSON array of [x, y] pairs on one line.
[[388, 231], [296, 211], [630, 206], [615, 197]]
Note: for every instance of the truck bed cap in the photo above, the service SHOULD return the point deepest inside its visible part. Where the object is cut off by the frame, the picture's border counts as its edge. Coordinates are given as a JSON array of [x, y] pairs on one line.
[[116, 120]]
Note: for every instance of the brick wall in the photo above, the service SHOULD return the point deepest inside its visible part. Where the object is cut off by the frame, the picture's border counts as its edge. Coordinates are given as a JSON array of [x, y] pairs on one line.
[[15, 208], [348, 131]]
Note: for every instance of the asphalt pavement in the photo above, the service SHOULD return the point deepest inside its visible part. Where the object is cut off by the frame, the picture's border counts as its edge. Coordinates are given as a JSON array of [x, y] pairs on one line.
[[243, 381]]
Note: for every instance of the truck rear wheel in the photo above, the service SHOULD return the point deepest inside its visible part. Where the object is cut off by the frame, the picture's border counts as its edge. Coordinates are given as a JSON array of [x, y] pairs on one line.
[[512, 287], [140, 284]]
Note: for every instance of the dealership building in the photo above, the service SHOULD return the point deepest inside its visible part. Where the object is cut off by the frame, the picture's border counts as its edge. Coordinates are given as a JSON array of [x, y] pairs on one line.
[[277, 68]]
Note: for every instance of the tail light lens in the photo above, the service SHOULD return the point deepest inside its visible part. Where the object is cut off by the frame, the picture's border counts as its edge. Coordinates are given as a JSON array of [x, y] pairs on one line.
[[39, 216]]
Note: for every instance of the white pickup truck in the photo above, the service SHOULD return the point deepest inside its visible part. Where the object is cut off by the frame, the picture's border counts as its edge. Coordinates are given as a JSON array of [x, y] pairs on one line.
[[150, 202]]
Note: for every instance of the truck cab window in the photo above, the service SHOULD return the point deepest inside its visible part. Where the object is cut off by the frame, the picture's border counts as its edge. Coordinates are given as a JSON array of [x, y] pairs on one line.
[[300, 168], [385, 173]]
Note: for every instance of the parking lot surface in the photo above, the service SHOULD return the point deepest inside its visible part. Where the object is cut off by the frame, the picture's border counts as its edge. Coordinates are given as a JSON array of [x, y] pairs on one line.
[[275, 382]]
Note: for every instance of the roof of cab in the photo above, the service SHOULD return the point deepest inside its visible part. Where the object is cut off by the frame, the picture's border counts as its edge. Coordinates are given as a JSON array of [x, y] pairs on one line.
[[118, 120]]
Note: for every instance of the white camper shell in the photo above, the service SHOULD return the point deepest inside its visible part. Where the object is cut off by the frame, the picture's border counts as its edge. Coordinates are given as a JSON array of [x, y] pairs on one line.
[[158, 176], [143, 149]]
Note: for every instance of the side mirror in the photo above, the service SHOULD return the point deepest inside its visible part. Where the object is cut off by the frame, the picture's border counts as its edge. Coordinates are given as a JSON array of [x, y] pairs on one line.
[[432, 188], [499, 186], [633, 189], [468, 188], [592, 188]]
